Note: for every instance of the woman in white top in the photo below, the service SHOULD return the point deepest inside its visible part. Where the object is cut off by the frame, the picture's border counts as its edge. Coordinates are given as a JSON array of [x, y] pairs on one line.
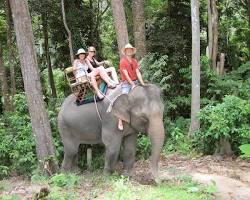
[[80, 68]]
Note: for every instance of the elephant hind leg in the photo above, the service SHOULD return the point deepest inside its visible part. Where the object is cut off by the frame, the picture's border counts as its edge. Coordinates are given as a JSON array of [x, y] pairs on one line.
[[129, 152]]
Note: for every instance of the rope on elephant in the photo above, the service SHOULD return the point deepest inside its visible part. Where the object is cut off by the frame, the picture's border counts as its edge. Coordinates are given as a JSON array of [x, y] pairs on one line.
[[97, 110]]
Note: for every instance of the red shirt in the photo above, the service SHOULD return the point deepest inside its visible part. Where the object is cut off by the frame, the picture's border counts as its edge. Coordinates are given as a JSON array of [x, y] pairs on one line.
[[130, 67]]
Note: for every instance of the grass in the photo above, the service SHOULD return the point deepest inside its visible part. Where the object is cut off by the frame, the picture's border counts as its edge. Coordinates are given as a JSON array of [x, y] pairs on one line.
[[97, 186], [123, 189]]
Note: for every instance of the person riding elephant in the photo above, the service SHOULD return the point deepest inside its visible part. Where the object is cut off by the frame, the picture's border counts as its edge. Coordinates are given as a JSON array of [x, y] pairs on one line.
[[96, 64], [80, 68], [130, 73], [141, 111]]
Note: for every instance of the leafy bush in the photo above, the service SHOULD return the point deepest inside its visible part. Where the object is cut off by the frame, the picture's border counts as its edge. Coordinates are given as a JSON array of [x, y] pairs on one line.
[[245, 150], [143, 146], [236, 82], [64, 180], [176, 138], [229, 119], [59, 195], [61, 84], [17, 146]]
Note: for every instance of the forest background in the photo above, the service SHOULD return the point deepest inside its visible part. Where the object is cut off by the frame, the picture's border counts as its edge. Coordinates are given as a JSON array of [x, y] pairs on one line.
[[225, 102]]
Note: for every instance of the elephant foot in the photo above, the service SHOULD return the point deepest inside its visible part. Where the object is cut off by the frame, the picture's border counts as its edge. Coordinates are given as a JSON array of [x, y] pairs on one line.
[[107, 172], [127, 173]]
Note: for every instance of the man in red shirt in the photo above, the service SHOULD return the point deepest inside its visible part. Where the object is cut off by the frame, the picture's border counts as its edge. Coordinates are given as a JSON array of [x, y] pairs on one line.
[[129, 71]]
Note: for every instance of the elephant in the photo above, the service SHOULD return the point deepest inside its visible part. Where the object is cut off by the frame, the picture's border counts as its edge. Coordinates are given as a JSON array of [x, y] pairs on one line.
[[141, 111]]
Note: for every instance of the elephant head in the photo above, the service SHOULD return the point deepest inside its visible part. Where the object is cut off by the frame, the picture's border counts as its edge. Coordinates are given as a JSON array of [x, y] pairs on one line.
[[143, 110]]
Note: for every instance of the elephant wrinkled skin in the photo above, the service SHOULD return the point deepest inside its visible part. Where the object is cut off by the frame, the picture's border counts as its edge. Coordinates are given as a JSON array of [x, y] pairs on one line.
[[141, 110]]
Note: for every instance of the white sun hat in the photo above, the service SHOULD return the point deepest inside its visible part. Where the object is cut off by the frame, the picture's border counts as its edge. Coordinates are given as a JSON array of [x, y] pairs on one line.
[[81, 51], [128, 46]]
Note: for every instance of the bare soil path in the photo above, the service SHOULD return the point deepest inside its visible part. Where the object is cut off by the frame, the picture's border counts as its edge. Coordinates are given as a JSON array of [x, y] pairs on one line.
[[230, 176]]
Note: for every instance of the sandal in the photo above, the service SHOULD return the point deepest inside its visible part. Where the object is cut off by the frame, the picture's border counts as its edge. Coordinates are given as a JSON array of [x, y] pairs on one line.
[[99, 95], [112, 85]]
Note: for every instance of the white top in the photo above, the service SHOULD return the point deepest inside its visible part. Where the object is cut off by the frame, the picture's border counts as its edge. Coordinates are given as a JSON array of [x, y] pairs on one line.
[[81, 70]]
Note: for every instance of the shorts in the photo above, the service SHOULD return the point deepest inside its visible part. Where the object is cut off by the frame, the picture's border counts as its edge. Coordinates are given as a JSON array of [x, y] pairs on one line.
[[126, 87]]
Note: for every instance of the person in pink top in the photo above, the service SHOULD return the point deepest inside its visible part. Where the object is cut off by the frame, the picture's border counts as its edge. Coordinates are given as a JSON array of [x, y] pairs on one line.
[[130, 73]]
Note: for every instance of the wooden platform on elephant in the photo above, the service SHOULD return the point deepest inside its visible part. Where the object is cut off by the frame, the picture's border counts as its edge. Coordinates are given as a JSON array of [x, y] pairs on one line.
[[83, 90]]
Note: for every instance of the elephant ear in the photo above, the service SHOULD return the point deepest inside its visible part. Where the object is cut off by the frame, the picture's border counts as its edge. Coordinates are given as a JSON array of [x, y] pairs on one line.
[[121, 108]]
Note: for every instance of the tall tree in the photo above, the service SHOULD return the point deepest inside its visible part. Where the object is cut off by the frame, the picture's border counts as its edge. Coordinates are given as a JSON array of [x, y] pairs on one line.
[[139, 27], [47, 54], [120, 23], [10, 49], [68, 32], [39, 118], [195, 107], [4, 83], [212, 31]]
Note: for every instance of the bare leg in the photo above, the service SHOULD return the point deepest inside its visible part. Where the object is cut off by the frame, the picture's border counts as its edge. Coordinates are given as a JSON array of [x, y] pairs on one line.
[[120, 125], [94, 83], [113, 74], [104, 75]]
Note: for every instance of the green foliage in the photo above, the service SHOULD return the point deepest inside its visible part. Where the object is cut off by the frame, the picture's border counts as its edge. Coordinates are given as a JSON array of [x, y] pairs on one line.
[[123, 189], [107, 35], [235, 82], [158, 69], [64, 180], [17, 146], [143, 146], [245, 150], [59, 195], [9, 197], [229, 119], [177, 139], [61, 83]]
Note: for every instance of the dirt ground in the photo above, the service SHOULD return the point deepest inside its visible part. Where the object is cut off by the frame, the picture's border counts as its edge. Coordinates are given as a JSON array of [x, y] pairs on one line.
[[230, 176]]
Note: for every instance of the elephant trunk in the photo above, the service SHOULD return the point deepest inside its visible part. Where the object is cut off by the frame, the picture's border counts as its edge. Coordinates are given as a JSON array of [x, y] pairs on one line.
[[157, 135]]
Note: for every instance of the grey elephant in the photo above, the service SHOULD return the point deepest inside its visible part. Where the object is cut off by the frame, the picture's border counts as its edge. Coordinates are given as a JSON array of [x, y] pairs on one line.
[[141, 111]]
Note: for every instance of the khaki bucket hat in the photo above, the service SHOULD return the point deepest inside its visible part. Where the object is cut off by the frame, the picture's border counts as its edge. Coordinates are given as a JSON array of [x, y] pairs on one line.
[[128, 46]]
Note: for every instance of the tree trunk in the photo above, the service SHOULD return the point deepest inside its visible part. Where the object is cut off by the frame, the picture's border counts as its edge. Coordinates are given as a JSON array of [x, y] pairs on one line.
[[91, 28], [4, 83], [10, 51], [248, 12], [222, 63], [120, 24], [215, 33], [212, 31], [29, 67], [46, 47], [195, 107], [139, 27], [68, 32], [223, 147]]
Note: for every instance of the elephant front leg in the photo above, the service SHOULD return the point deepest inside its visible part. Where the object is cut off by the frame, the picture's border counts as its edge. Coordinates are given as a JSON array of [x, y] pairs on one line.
[[112, 146], [129, 153], [111, 157], [70, 157]]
